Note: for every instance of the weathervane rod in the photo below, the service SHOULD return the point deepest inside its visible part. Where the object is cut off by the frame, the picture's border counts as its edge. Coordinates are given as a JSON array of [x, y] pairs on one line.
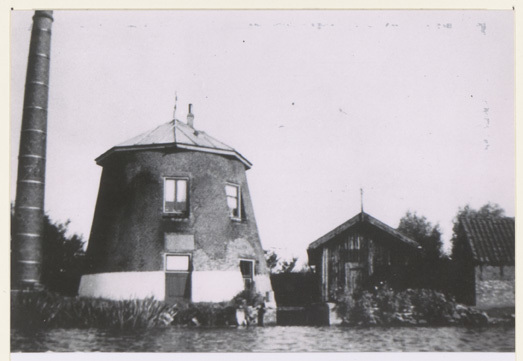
[[361, 199], [175, 103]]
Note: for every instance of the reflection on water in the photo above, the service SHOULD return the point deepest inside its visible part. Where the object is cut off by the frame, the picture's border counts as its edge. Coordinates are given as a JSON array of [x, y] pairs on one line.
[[269, 339]]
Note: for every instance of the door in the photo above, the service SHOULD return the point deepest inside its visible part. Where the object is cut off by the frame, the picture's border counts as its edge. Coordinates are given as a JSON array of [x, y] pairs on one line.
[[177, 278], [354, 274]]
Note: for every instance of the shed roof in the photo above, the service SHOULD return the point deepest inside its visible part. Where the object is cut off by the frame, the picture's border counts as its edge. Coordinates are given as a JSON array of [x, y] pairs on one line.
[[176, 134], [359, 219], [492, 240]]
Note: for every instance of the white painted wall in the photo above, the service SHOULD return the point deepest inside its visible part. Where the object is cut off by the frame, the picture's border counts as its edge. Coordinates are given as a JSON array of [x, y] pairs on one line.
[[263, 286], [124, 285], [207, 286], [215, 286]]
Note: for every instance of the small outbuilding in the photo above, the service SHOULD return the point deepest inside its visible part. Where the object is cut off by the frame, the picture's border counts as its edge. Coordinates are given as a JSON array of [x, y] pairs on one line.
[[484, 254], [174, 221], [361, 252]]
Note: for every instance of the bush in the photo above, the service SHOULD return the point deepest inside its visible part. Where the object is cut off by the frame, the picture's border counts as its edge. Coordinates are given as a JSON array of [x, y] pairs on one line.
[[385, 306], [248, 298]]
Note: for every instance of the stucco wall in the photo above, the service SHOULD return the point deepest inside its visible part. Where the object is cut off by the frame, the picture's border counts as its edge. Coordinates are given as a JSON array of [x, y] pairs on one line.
[[123, 285], [495, 286], [215, 286], [129, 226], [207, 286]]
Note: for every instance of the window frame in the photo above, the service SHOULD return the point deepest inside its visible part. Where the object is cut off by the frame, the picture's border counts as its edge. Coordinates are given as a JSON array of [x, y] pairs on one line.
[[238, 201], [250, 283], [167, 254], [175, 213]]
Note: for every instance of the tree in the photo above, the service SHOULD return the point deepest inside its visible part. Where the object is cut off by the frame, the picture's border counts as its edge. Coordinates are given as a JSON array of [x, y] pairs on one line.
[[431, 269], [271, 259], [422, 231], [62, 257], [288, 266], [276, 265]]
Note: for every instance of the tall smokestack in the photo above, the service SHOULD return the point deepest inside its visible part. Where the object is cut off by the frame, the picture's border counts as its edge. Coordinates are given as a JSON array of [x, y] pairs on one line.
[[29, 204]]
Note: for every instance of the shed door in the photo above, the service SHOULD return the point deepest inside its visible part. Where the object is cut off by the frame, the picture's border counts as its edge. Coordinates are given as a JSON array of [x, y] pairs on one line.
[[177, 278], [354, 274]]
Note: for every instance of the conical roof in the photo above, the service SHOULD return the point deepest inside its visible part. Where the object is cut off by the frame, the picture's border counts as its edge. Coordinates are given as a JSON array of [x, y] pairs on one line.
[[175, 134]]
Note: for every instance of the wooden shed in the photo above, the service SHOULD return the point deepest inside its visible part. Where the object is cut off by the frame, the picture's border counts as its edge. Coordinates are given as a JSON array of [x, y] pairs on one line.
[[174, 221], [360, 253], [484, 255]]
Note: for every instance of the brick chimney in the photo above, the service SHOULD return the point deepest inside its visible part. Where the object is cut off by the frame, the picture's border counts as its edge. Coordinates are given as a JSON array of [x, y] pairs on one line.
[[29, 204], [190, 117]]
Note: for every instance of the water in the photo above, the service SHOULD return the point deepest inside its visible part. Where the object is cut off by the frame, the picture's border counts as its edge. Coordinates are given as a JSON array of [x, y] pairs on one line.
[[270, 339]]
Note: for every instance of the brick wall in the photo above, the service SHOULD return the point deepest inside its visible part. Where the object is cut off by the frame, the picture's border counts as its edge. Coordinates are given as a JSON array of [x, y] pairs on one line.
[[495, 286], [130, 231]]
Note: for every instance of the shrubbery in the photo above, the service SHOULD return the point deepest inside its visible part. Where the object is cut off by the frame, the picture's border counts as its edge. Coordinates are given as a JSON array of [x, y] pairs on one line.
[[385, 306], [37, 310]]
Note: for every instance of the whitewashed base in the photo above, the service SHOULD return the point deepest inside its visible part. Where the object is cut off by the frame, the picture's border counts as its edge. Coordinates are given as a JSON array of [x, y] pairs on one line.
[[206, 286], [123, 285]]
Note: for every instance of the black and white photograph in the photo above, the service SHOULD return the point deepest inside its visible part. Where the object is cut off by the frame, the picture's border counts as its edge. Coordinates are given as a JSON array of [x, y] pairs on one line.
[[268, 181]]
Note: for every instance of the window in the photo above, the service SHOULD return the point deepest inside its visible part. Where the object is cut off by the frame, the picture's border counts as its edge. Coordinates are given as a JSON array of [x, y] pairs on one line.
[[178, 263], [247, 269], [354, 250], [233, 194], [175, 196]]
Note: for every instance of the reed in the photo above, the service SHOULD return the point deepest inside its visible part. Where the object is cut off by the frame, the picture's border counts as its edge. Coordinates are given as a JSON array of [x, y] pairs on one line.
[[42, 310], [35, 310]]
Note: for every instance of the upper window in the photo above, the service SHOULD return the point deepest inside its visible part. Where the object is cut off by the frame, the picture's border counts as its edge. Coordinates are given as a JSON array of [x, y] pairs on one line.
[[233, 194], [354, 249], [175, 196]]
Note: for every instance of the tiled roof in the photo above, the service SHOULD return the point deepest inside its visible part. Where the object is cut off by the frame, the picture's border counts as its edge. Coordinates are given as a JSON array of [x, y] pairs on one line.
[[362, 218], [176, 134], [492, 240]]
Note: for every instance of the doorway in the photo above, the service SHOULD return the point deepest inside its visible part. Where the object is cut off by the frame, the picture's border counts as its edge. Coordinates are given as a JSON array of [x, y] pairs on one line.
[[177, 277]]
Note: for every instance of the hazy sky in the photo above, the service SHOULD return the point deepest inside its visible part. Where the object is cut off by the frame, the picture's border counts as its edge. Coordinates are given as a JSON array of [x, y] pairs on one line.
[[415, 107]]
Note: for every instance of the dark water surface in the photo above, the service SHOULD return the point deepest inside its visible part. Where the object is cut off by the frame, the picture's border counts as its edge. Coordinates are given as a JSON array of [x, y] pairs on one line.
[[270, 339]]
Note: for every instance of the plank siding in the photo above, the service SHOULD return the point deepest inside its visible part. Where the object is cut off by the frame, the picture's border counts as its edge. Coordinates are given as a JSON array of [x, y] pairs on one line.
[[357, 255]]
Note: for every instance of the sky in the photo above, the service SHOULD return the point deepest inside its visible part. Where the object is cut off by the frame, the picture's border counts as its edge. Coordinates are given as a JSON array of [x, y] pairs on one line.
[[414, 107]]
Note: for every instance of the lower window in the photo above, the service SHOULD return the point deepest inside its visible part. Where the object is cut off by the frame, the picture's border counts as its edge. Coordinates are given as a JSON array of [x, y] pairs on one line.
[[176, 263], [247, 269]]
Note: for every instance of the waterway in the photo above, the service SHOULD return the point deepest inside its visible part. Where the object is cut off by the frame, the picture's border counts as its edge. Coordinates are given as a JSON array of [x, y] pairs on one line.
[[270, 339]]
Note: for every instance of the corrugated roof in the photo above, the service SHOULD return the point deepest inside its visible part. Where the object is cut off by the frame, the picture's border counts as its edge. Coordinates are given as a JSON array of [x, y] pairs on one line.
[[362, 218], [179, 135], [492, 240]]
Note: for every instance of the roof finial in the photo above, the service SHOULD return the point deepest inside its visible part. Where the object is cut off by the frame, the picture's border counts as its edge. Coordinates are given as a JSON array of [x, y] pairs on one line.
[[361, 199], [175, 103]]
